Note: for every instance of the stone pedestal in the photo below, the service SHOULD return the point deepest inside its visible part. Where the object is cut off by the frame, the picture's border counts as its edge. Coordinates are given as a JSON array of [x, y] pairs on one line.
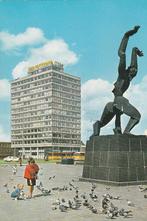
[[116, 159]]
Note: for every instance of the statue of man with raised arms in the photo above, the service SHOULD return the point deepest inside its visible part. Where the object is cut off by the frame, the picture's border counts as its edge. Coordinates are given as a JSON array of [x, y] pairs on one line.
[[121, 105]]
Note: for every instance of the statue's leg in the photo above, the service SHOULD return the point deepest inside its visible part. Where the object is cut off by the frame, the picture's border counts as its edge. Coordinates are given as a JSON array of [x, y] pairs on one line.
[[106, 117], [135, 116], [117, 129]]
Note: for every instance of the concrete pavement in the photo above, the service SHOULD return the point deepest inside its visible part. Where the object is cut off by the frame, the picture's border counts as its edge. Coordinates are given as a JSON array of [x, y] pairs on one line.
[[40, 208]]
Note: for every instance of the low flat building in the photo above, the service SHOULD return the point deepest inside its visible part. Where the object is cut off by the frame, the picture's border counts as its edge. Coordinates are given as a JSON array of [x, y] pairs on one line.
[[5, 149]]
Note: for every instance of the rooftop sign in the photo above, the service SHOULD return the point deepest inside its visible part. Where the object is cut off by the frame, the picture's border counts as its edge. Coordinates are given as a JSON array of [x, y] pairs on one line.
[[44, 64]]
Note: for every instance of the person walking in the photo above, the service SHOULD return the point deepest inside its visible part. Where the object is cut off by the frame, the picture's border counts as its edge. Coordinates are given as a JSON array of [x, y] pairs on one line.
[[30, 174]]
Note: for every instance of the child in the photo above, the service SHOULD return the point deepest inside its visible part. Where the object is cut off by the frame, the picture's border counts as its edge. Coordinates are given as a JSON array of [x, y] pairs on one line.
[[20, 161], [16, 194]]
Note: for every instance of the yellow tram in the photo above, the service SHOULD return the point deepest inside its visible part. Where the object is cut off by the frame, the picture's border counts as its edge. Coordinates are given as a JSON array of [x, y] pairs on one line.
[[57, 156]]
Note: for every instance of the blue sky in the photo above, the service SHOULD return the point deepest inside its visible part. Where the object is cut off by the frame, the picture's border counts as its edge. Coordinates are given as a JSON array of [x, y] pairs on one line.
[[89, 32]]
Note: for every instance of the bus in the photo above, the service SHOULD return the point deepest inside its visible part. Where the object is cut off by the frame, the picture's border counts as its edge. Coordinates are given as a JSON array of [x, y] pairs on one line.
[[60, 155], [79, 156]]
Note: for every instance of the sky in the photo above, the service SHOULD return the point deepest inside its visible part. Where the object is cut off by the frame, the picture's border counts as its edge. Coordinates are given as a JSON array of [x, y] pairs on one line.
[[84, 35]]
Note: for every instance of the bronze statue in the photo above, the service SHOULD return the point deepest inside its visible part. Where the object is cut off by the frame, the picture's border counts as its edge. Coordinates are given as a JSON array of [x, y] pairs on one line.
[[121, 105]]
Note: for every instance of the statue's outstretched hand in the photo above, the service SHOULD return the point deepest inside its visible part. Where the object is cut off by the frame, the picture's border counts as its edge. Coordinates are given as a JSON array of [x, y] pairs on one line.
[[133, 31], [136, 28], [139, 53]]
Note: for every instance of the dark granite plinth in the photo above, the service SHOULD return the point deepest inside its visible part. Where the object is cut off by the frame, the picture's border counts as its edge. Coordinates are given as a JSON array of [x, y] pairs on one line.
[[116, 159]]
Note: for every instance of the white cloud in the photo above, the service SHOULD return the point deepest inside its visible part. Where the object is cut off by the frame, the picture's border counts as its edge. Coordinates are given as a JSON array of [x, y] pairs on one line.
[[145, 132], [55, 50], [137, 95], [95, 95], [20, 69], [4, 89], [52, 50], [3, 136], [31, 36]]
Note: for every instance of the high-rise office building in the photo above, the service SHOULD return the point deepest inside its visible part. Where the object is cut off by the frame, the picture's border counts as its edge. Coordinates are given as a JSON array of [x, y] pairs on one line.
[[45, 110]]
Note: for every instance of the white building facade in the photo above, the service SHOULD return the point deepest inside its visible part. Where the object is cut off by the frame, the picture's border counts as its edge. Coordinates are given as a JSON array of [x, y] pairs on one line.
[[45, 111]]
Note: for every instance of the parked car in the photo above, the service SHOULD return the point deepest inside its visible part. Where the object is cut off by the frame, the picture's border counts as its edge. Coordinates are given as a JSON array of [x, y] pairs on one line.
[[11, 158]]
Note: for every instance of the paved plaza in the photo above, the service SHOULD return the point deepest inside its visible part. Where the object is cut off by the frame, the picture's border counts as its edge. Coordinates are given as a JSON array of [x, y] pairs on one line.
[[41, 208]]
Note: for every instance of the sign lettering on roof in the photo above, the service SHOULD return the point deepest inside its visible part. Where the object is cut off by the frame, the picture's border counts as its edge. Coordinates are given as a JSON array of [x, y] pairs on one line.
[[42, 65]]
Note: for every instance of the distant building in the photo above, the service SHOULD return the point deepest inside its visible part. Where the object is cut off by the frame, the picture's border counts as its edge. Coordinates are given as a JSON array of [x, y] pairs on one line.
[[46, 110], [5, 149]]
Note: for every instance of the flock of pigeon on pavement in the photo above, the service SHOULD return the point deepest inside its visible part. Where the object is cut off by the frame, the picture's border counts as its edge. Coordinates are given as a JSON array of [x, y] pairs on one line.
[[104, 204]]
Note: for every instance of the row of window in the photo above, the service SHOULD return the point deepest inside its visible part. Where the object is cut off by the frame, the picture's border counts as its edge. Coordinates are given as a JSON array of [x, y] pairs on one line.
[[41, 95], [55, 141], [46, 123], [47, 102], [43, 85], [45, 136], [58, 130], [45, 118], [45, 75]]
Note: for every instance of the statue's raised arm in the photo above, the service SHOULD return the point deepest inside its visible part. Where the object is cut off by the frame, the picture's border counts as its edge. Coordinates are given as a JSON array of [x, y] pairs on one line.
[[132, 69]]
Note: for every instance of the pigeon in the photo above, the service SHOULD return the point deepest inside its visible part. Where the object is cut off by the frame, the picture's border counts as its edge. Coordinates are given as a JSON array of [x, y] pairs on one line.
[[110, 215], [105, 202], [71, 185], [125, 213], [77, 200], [93, 197], [7, 191], [46, 192], [63, 208], [57, 202], [83, 196], [54, 207], [93, 185], [75, 206], [85, 203], [77, 191], [6, 186], [114, 210], [107, 188], [41, 184], [116, 197], [63, 200], [94, 210], [55, 188], [142, 188], [42, 189], [65, 188], [90, 206], [70, 204], [130, 203], [14, 169]]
